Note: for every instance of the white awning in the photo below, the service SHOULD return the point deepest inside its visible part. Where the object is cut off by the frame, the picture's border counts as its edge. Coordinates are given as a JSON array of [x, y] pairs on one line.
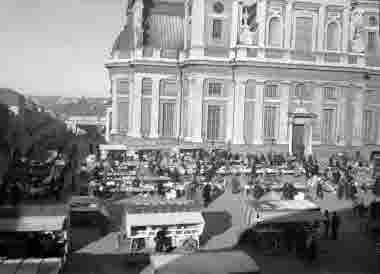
[[150, 219], [112, 147], [32, 223]]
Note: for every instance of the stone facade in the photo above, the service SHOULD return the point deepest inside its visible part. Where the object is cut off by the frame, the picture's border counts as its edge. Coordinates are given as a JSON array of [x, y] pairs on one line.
[[233, 71]]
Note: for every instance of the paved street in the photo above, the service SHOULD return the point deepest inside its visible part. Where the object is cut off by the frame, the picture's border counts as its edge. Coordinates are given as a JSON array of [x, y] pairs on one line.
[[352, 253]]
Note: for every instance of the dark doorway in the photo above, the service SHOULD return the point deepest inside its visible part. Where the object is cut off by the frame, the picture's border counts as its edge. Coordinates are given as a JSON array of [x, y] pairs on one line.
[[298, 146]]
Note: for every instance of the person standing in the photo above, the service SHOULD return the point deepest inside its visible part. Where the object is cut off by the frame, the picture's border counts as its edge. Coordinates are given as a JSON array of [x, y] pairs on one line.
[[326, 224], [207, 194], [335, 223], [319, 190]]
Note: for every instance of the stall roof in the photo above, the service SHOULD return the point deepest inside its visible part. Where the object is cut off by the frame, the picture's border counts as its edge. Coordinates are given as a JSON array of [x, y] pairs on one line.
[[283, 205], [32, 218], [31, 266], [113, 147], [161, 219], [139, 205], [292, 217]]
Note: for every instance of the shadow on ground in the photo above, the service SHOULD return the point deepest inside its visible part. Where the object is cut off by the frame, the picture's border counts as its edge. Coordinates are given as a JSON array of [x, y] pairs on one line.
[[217, 222]]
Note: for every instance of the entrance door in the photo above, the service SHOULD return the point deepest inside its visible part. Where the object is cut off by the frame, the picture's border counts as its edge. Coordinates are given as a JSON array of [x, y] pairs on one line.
[[298, 146]]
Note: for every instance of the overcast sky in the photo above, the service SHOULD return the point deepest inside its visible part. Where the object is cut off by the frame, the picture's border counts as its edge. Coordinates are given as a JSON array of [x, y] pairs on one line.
[[58, 47]]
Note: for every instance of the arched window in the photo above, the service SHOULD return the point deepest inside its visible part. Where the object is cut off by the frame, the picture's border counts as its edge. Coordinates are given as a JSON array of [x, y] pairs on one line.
[[332, 37], [274, 39]]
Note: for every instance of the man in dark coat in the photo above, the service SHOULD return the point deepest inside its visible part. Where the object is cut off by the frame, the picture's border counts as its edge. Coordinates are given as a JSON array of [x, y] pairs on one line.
[[335, 223], [207, 194], [326, 224]]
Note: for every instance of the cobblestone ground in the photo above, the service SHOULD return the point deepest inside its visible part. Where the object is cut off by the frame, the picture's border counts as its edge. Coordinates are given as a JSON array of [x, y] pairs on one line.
[[352, 253]]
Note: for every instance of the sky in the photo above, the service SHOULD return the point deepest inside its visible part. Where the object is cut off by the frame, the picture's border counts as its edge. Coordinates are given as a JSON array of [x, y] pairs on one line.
[[58, 47]]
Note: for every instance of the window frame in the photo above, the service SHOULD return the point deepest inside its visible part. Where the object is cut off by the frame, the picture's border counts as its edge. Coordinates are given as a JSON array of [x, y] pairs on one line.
[[304, 14], [373, 41], [281, 26], [213, 37], [339, 39], [277, 95], [214, 83]]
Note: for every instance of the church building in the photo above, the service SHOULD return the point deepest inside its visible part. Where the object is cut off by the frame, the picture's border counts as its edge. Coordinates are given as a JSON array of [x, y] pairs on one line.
[[258, 74]]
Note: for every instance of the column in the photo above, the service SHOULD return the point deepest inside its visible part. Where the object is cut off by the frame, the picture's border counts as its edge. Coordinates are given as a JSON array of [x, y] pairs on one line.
[[321, 27], [195, 108], [230, 111], [155, 107], [197, 28], [234, 27], [115, 106], [261, 15], [309, 138], [284, 112], [342, 117], [290, 137], [179, 107], [259, 110], [358, 116], [108, 130], [317, 109], [238, 132], [136, 107], [185, 25]]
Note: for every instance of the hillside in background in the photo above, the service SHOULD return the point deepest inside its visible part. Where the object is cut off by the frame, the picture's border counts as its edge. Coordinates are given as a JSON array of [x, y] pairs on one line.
[[67, 106]]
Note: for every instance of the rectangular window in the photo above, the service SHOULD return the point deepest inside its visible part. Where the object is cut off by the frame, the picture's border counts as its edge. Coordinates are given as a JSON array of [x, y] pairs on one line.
[[329, 93], [217, 29], [213, 122], [270, 122], [123, 87], [214, 89], [167, 119], [146, 87], [304, 35], [145, 116], [328, 126], [271, 91], [123, 111], [369, 127], [371, 40]]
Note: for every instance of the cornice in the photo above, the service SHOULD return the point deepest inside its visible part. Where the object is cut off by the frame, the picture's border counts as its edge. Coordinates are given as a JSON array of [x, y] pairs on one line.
[[245, 63]]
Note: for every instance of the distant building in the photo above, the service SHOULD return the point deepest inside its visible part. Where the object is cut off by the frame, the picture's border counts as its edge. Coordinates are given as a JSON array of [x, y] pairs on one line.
[[258, 73]]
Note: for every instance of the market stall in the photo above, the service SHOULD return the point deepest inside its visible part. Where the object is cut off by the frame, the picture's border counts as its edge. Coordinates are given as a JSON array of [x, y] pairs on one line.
[[34, 231], [160, 226]]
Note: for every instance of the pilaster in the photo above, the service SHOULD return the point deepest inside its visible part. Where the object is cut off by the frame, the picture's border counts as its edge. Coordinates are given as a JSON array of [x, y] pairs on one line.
[[317, 109], [115, 110], [345, 33], [261, 15], [195, 108], [197, 28], [342, 108], [284, 110], [135, 97], [288, 27], [230, 111], [238, 132], [259, 109], [155, 107], [234, 27], [358, 117], [108, 129], [321, 27]]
